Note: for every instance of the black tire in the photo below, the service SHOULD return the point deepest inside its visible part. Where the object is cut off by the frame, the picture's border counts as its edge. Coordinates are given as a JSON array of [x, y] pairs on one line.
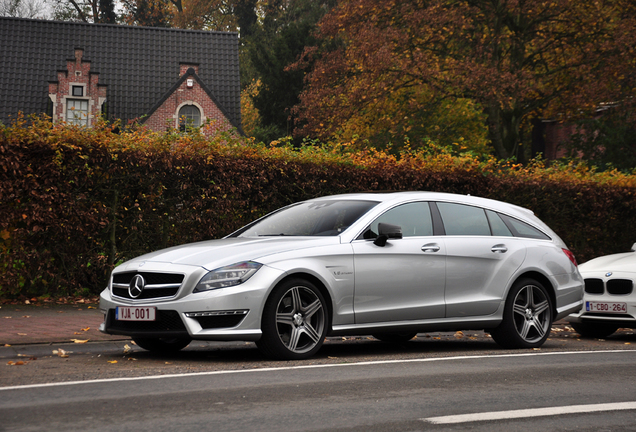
[[165, 346], [295, 321], [527, 318], [395, 337], [594, 330]]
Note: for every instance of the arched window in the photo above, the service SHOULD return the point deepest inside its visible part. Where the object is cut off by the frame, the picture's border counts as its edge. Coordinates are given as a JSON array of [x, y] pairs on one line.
[[189, 117]]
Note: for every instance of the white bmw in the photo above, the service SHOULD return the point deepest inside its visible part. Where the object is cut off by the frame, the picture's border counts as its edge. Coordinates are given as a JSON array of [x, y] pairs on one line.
[[610, 300], [389, 265]]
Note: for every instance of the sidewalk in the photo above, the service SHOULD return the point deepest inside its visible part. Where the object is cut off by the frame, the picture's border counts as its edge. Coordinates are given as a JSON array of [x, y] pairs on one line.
[[51, 323]]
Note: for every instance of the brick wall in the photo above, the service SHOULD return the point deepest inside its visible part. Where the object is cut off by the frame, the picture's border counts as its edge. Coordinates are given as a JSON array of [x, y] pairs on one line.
[[166, 116], [78, 73]]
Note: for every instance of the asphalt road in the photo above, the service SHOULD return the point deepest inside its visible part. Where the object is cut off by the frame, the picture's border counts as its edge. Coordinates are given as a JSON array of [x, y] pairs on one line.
[[385, 395], [356, 384]]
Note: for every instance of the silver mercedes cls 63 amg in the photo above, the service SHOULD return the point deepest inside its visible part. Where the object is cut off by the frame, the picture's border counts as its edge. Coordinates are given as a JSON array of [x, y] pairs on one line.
[[389, 265]]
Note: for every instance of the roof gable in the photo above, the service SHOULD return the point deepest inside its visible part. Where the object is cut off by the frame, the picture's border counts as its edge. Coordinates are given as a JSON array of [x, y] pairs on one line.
[[138, 64]]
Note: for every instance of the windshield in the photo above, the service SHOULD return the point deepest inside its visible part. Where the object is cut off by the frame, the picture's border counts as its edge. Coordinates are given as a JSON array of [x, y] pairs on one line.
[[316, 218]]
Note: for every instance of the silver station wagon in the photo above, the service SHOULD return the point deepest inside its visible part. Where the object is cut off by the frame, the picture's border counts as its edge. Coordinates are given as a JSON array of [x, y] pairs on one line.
[[389, 265]]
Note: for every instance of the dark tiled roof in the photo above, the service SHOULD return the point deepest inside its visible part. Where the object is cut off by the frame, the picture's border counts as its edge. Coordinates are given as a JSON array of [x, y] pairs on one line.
[[138, 64]]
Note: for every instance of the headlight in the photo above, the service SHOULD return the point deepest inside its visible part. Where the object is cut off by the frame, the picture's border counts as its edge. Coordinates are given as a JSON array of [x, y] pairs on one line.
[[229, 276]]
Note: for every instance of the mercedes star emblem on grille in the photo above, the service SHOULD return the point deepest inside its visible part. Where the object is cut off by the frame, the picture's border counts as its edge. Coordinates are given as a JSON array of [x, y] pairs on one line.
[[136, 286]]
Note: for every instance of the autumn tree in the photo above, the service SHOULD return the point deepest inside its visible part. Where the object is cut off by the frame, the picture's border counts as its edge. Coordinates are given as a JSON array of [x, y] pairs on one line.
[[187, 14], [516, 58], [89, 11], [286, 28], [24, 8]]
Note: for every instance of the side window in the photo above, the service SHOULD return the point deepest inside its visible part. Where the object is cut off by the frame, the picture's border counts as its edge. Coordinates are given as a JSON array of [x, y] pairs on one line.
[[497, 226], [414, 218], [462, 219], [522, 229]]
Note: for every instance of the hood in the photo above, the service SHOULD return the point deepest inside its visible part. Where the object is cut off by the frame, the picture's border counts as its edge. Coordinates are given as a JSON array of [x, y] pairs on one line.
[[213, 254], [622, 262]]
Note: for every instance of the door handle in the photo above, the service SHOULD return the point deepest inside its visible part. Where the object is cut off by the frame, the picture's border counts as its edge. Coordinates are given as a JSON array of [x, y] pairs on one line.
[[431, 247], [499, 248]]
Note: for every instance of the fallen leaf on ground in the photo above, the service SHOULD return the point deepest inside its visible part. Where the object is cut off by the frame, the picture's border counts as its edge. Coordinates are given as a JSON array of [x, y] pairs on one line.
[[86, 329], [26, 316], [80, 340], [92, 307], [61, 353], [22, 334], [127, 349], [168, 363], [18, 363], [112, 361]]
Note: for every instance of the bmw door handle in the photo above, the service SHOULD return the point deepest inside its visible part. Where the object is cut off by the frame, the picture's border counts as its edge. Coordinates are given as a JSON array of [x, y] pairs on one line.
[[499, 248], [430, 247]]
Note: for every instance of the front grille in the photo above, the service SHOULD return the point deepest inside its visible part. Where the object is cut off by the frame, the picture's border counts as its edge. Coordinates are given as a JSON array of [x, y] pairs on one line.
[[594, 286], [167, 321], [158, 285], [218, 319], [620, 286]]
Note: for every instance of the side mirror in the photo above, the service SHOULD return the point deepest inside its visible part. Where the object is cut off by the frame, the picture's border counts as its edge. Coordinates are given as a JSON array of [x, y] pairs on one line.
[[386, 232]]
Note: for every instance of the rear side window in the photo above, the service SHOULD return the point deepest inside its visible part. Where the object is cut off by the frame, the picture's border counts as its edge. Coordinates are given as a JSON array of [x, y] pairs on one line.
[[522, 229], [461, 219], [497, 225]]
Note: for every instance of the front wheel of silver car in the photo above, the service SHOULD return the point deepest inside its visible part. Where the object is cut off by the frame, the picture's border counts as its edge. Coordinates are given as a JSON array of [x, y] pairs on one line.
[[162, 345], [527, 318], [295, 321]]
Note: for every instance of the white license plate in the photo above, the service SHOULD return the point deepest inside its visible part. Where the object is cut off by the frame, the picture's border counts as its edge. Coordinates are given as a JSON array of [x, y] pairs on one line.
[[135, 313], [606, 307]]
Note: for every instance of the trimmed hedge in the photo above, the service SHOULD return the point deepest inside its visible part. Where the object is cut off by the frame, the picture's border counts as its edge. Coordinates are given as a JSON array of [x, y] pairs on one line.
[[75, 202]]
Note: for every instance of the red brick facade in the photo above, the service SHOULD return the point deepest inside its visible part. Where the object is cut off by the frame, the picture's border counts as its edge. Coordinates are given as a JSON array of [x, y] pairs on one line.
[[189, 92], [77, 87], [85, 105], [555, 135]]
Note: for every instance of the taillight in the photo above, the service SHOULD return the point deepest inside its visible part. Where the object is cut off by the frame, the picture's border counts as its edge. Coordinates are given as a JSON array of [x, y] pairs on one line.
[[570, 255]]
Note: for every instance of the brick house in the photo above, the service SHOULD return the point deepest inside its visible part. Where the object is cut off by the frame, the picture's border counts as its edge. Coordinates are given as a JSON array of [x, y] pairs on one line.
[[76, 72]]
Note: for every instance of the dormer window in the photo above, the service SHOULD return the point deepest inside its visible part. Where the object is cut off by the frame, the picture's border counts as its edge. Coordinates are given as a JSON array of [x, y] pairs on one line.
[[78, 91]]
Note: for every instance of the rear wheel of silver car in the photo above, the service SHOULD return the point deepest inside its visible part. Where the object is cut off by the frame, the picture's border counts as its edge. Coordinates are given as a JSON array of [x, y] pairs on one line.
[[527, 318], [395, 337], [594, 330], [163, 345], [295, 321]]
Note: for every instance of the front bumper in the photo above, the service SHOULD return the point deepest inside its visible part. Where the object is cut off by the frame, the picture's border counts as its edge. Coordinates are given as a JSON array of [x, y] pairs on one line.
[[223, 314], [626, 319]]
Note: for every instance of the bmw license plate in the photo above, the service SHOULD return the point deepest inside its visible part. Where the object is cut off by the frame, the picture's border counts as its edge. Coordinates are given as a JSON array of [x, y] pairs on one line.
[[606, 307], [135, 313]]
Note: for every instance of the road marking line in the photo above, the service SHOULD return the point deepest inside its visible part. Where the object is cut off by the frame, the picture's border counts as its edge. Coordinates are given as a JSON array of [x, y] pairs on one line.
[[367, 363], [527, 413]]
